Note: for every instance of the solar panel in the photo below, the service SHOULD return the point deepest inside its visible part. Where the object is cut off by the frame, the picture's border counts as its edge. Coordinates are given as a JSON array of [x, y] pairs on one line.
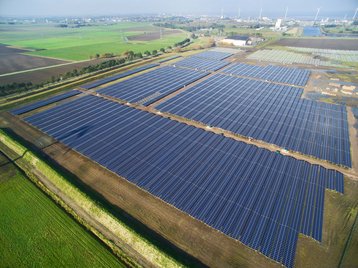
[[42, 103], [119, 76], [253, 195], [169, 58], [264, 111], [292, 76], [201, 64], [152, 86], [213, 55]]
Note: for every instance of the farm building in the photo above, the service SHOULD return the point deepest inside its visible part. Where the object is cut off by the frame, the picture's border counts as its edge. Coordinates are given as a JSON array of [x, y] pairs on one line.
[[237, 40]]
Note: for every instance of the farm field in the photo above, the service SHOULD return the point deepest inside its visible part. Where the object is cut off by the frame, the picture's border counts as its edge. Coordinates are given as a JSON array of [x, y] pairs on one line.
[[12, 60], [82, 43], [267, 33], [34, 231], [323, 43], [38, 76]]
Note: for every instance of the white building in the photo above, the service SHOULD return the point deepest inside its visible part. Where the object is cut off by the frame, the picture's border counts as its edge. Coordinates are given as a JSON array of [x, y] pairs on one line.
[[278, 24], [236, 40]]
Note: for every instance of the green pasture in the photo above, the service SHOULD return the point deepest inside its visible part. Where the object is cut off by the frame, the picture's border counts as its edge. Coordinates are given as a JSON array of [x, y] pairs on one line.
[[35, 232], [82, 43]]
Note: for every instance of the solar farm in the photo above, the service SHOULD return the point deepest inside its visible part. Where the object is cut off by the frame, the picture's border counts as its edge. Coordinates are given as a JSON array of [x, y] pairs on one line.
[[294, 76], [149, 87], [119, 76], [146, 149], [202, 64], [273, 113], [155, 127], [288, 57], [332, 54], [307, 56], [213, 55], [48, 101]]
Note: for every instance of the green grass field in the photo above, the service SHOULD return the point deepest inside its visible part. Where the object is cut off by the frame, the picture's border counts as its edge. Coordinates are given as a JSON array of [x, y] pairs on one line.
[[82, 43], [266, 33], [35, 232]]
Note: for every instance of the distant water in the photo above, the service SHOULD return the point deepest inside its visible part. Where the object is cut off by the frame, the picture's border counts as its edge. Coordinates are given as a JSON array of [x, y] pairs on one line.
[[312, 31]]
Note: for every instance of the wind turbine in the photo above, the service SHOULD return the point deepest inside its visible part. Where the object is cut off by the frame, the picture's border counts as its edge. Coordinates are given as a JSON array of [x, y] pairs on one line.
[[315, 18], [260, 13], [355, 14], [286, 14]]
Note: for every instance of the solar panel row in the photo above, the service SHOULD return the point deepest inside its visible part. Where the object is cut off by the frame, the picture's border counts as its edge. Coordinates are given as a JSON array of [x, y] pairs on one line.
[[213, 55], [201, 64], [293, 76], [149, 87], [42, 103], [169, 58], [119, 76], [264, 111], [256, 196]]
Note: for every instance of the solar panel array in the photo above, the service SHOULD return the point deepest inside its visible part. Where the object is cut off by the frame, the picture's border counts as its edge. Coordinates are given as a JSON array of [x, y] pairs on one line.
[[149, 87], [201, 64], [272, 113], [42, 103], [213, 55], [119, 76], [256, 196], [293, 76], [289, 57]]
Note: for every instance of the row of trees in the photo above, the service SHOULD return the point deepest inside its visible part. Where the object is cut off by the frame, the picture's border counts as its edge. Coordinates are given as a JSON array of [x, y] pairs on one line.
[[192, 27], [182, 43], [14, 88], [130, 55]]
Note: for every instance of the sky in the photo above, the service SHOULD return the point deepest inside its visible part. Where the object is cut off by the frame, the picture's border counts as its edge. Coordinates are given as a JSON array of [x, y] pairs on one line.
[[43, 8]]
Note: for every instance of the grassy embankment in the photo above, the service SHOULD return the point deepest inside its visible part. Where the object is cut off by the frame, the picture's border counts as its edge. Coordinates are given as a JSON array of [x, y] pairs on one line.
[[30, 162]]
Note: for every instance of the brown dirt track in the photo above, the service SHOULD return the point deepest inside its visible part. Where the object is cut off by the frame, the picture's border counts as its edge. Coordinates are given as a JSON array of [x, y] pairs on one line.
[[323, 43], [11, 60], [152, 35], [199, 240]]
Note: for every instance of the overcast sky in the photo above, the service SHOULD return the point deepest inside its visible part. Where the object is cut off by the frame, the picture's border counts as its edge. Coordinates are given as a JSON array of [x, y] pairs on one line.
[[112, 7]]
